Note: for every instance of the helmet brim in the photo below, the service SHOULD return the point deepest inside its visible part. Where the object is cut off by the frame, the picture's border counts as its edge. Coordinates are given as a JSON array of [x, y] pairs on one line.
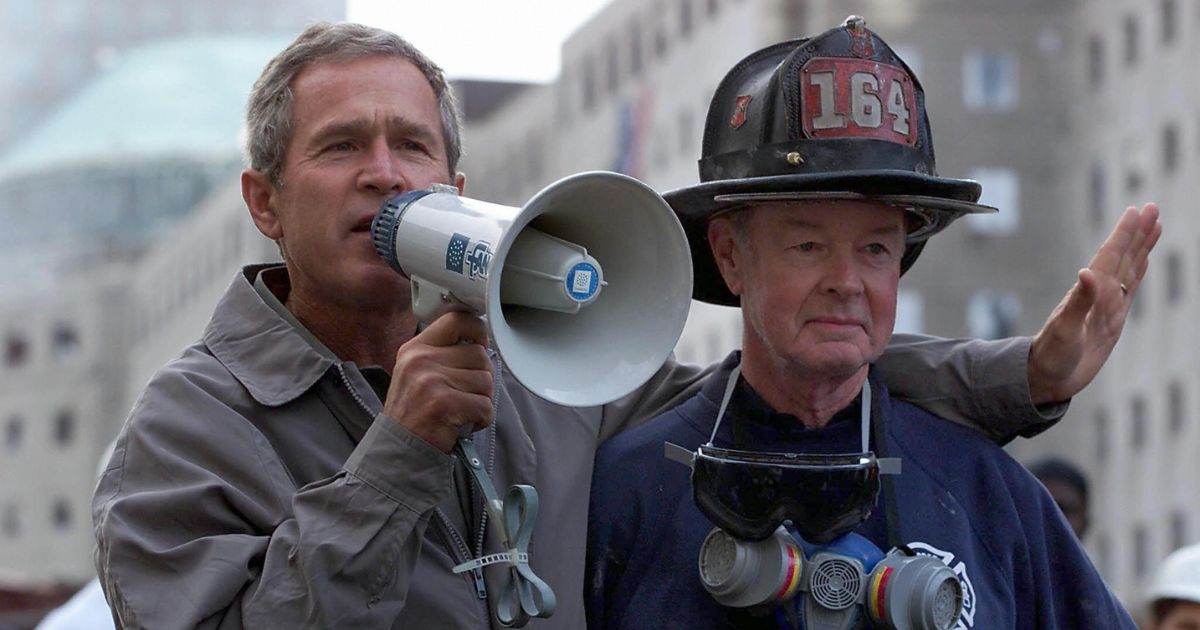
[[934, 201]]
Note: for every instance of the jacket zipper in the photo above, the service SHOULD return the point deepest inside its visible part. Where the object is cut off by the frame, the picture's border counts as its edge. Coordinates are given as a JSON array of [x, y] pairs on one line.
[[464, 552]]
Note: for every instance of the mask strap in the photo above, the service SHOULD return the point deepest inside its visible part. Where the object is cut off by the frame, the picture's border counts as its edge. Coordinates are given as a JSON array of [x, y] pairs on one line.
[[865, 402], [888, 468], [733, 379]]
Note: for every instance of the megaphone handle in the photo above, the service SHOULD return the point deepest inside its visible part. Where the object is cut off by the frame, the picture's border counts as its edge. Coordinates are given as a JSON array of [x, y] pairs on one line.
[[495, 507], [431, 301]]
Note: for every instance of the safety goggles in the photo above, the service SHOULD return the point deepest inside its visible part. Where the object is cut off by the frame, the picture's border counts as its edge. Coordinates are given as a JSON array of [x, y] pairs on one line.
[[750, 494]]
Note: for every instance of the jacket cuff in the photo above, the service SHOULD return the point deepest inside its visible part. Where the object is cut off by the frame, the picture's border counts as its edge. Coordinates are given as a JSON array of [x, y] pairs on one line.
[[1003, 377], [402, 466]]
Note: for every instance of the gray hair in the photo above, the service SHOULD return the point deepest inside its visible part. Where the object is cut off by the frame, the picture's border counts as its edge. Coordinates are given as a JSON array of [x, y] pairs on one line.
[[269, 112]]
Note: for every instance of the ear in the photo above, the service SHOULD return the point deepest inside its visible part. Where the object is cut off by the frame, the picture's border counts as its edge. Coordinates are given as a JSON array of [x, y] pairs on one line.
[[460, 181], [258, 192], [727, 252]]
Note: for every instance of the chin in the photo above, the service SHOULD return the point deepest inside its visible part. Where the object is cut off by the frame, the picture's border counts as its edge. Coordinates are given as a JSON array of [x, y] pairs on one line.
[[835, 361]]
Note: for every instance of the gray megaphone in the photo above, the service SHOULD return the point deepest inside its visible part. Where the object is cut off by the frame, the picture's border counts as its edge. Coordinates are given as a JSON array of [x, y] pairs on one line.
[[585, 288]]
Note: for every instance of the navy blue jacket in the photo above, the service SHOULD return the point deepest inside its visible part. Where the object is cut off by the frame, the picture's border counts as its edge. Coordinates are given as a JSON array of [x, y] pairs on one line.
[[960, 497]]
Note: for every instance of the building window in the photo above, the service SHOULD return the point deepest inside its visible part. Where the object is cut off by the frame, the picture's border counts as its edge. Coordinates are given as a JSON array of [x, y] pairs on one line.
[[61, 514], [635, 47], [1170, 147], [1130, 30], [1102, 431], [14, 433], [1138, 422], [993, 314], [12, 523], [1175, 407], [614, 67], [64, 427], [1095, 61], [1141, 551], [1179, 533], [685, 18], [1001, 189], [660, 41], [687, 133], [1097, 195], [1133, 180], [589, 84], [1137, 308], [64, 342], [1169, 27], [1174, 277], [990, 80], [16, 350]]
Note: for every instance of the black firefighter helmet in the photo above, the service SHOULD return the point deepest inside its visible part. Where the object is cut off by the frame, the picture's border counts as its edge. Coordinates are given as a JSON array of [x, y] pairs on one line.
[[836, 116]]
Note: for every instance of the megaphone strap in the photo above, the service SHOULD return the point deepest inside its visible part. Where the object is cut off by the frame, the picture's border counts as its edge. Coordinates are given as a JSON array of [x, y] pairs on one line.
[[523, 595]]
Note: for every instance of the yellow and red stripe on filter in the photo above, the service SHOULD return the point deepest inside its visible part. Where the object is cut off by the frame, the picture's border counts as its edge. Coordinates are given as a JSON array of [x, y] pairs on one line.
[[791, 580], [877, 595]]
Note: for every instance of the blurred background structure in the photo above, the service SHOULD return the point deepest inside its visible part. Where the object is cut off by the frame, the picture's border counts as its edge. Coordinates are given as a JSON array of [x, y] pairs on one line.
[[121, 220]]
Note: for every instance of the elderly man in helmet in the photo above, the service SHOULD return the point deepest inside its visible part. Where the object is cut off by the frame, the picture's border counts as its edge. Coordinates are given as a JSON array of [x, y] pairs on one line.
[[818, 191]]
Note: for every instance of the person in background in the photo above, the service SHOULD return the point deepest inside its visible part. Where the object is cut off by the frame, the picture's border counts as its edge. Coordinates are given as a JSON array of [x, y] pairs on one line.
[[1068, 487], [1174, 595]]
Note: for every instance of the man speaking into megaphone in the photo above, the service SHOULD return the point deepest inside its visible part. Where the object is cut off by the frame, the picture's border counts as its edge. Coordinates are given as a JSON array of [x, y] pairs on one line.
[[292, 468]]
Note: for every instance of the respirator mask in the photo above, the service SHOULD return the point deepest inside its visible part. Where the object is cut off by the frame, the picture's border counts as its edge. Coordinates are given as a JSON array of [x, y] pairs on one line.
[[783, 541]]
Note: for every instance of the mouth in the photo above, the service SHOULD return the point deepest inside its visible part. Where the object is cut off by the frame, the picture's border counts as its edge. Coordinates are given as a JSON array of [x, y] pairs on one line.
[[363, 225], [836, 323]]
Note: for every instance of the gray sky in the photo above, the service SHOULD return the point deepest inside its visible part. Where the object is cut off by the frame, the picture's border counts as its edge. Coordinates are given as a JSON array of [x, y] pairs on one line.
[[482, 39]]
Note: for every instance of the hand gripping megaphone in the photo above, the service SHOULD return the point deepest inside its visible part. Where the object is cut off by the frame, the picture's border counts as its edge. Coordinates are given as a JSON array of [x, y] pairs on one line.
[[585, 288]]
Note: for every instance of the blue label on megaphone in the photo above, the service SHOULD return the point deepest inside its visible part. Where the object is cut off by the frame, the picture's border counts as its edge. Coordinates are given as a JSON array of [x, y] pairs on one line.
[[582, 282]]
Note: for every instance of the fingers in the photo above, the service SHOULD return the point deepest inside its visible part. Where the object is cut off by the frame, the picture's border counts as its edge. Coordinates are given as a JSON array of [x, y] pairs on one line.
[[1122, 258], [1151, 230], [454, 328], [1108, 258], [1073, 311], [443, 381]]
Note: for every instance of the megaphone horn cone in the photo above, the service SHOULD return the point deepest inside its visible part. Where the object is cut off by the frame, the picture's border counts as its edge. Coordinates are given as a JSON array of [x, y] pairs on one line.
[[586, 287]]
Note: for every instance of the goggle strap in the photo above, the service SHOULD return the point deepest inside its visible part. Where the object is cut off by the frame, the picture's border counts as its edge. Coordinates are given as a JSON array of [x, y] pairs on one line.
[[889, 465], [733, 379], [678, 454], [865, 412]]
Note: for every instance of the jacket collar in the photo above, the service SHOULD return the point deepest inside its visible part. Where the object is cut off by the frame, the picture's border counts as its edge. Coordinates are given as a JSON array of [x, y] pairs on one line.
[[262, 350]]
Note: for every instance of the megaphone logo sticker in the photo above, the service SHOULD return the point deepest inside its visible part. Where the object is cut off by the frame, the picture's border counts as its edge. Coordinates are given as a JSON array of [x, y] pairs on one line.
[[459, 254], [582, 282]]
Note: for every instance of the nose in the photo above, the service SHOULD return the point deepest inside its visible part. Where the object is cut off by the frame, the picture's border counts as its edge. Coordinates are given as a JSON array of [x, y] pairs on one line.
[[381, 171], [841, 275]]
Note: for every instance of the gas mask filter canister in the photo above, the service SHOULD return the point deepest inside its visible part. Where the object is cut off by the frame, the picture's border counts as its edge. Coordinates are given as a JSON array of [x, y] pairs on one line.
[[848, 583]]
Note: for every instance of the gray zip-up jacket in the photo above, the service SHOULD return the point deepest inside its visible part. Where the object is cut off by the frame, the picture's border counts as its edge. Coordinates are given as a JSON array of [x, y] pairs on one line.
[[257, 484]]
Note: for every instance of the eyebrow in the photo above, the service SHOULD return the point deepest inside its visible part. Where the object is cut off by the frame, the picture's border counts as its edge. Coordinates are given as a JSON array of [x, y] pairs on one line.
[[358, 126]]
